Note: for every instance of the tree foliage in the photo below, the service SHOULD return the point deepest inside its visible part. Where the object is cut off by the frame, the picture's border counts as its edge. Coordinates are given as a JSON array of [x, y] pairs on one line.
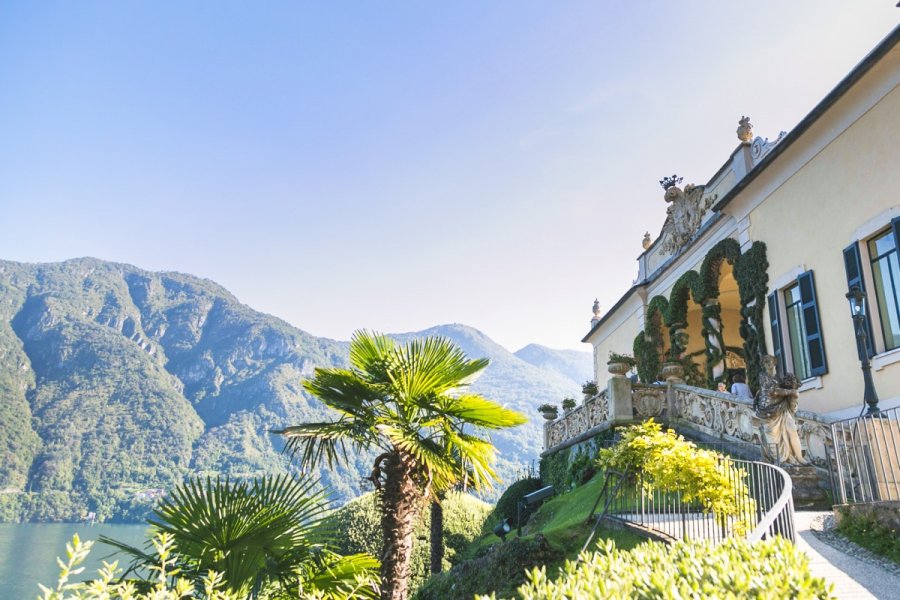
[[408, 402]]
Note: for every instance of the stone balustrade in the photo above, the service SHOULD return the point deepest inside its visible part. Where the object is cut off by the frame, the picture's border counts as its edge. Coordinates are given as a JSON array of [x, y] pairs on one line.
[[715, 415]]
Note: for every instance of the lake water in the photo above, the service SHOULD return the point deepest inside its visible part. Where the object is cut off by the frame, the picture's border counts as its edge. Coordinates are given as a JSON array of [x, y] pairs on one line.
[[28, 553]]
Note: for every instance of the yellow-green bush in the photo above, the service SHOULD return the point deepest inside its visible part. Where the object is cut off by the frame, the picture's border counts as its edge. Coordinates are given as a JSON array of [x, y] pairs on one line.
[[666, 461], [769, 570]]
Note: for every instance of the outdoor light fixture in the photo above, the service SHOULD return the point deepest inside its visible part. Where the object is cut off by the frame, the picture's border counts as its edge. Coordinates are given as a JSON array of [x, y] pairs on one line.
[[857, 299], [502, 528]]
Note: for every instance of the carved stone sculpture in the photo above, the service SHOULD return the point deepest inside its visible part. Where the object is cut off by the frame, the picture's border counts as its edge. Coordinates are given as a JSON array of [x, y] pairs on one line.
[[745, 130], [685, 212], [646, 242], [776, 407]]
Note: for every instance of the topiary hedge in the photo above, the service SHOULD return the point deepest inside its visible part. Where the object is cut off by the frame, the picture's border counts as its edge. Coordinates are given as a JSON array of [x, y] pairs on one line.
[[507, 505], [357, 527], [773, 569]]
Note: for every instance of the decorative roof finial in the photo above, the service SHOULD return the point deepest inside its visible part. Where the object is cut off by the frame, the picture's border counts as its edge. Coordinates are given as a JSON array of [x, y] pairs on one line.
[[668, 182], [745, 130], [646, 241], [596, 308]]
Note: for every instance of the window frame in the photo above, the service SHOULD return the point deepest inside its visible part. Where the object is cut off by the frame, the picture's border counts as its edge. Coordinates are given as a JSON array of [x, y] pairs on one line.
[[877, 323], [780, 326]]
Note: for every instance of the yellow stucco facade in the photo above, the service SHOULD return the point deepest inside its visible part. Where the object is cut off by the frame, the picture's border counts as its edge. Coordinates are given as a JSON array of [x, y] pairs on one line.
[[832, 182]]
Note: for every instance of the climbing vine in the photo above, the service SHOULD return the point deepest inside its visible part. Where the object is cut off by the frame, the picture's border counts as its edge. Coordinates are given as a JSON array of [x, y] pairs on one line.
[[751, 273], [649, 345]]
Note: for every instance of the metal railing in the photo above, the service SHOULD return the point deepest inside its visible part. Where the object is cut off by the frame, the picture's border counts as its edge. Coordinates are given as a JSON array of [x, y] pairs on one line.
[[867, 458], [762, 496]]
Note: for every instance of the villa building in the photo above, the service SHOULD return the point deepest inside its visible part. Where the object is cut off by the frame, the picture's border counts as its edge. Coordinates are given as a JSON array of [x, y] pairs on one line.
[[759, 259]]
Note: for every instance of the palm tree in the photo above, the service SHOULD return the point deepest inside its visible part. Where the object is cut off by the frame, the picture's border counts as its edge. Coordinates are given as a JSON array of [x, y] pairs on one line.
[[264, 537], [407, 401]]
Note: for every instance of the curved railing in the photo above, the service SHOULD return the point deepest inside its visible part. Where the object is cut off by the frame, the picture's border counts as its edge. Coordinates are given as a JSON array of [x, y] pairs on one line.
[[765, 510]]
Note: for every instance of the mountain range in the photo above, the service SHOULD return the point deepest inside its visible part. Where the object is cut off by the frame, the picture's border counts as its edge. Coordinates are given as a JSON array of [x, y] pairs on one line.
[[116, 383]]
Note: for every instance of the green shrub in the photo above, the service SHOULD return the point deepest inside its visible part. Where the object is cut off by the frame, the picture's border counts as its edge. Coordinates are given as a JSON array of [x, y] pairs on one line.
[[773, 569], [357, 528], [869, 533], [164, 585], [666, 461], [582, 468], [507, 505], [554, 469], [502, 568]]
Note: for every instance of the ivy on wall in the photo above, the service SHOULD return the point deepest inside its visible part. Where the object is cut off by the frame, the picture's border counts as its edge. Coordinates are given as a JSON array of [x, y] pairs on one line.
[[750, 272], [649, 344]]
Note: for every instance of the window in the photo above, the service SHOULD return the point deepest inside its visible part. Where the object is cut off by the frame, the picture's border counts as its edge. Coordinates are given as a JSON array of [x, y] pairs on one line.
[[880, 279], [793, 307], [886, 279], [796, 332]]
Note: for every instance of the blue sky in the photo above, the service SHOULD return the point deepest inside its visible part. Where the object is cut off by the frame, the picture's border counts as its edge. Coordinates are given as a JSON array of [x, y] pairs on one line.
[[393, 165]]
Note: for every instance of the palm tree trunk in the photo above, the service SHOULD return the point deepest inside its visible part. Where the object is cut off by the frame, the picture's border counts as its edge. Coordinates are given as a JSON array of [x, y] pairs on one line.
[[437, 537], [400, 505]]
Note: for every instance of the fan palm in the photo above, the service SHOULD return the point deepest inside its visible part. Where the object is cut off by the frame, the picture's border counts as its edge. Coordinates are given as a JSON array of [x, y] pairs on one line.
[[407, 401], [264, 535]]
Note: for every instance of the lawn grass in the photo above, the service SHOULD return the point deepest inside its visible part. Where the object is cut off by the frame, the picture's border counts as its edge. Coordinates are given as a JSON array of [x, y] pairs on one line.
[[562, 521]]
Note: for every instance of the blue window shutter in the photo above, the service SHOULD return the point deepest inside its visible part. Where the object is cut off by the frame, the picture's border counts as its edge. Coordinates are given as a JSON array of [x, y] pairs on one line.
[[853, 267], [810, 309], [777, 339]]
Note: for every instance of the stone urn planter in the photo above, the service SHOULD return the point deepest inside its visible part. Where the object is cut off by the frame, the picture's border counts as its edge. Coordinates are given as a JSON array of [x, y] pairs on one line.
[[549, 413], [618, 369], [672, 372]]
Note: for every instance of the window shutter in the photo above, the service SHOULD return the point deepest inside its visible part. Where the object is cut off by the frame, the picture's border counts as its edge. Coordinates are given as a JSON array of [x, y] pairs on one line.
[[810, 310], [777, 339], [895, 226], [853, 267]]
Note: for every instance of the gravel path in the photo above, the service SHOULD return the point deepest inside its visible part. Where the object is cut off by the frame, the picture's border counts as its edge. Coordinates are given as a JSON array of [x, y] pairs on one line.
[[854, 571]]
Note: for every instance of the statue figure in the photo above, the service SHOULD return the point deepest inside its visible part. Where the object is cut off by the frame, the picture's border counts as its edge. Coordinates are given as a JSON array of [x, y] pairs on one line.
[[745, 130], [776, 405], [685, 212]]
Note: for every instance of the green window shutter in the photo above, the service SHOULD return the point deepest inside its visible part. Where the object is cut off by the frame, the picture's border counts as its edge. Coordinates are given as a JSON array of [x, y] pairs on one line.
[[777, 339], [809, 307], [853, 267]]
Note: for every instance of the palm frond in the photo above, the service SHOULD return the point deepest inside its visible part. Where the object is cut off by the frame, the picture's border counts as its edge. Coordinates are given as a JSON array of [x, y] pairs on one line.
[[481, 412]]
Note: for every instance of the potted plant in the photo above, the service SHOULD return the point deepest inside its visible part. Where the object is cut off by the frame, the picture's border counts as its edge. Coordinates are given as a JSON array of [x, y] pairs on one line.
[[568, 404], [589, 389], [619, 364], [672, 370], [549, 411]]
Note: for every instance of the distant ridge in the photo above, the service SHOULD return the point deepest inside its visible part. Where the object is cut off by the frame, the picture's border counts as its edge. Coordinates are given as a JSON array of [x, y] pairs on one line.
[[572, 364], [115, 380]]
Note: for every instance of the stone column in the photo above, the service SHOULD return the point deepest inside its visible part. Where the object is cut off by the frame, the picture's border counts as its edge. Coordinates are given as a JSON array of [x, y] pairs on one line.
[[619, 395]]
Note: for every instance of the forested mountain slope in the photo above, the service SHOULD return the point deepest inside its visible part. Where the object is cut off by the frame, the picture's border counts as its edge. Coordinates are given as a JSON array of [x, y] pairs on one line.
[[116, 382]]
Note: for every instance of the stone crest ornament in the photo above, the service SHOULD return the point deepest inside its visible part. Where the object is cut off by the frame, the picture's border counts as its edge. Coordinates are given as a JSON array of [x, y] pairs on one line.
[[684, 214], [745, 130]]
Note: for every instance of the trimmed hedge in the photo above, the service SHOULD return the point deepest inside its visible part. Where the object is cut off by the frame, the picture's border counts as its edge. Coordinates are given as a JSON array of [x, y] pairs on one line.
[[773, 569]]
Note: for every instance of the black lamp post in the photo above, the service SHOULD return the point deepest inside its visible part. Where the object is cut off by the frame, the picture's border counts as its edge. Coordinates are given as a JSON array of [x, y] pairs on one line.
[[857, 299]]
